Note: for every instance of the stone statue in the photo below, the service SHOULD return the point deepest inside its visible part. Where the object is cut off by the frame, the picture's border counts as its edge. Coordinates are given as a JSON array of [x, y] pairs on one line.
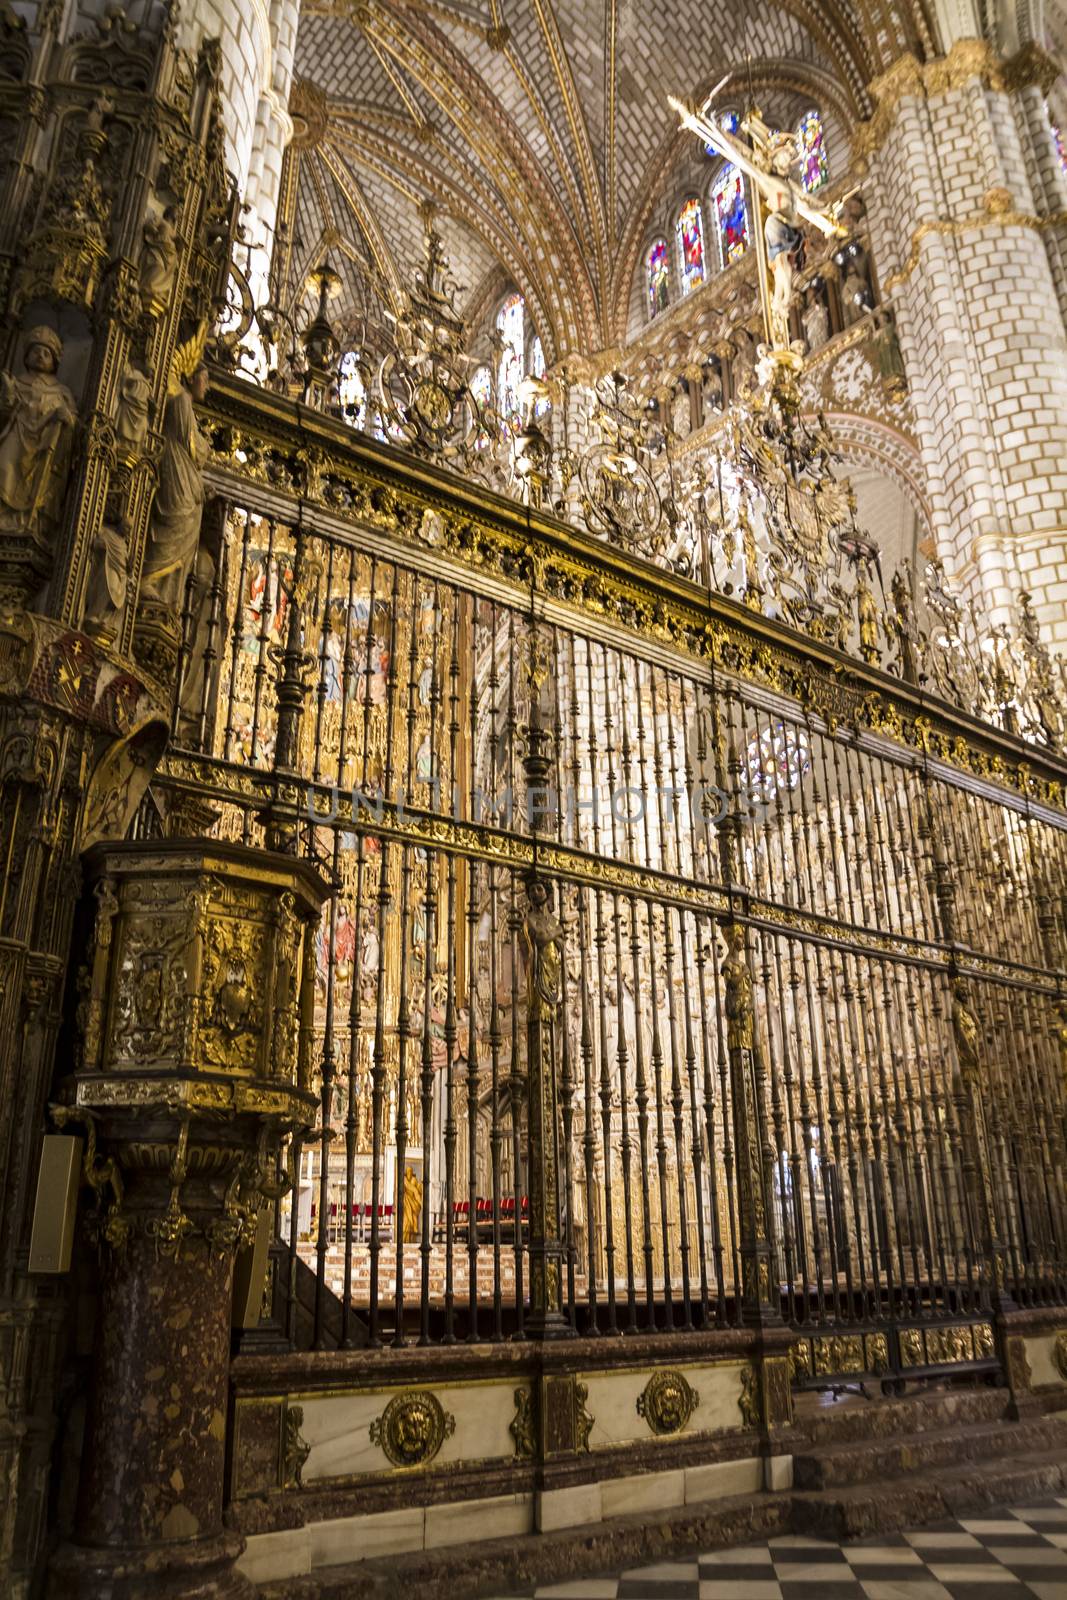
[[816, 321], [544, 940], [712, 389], [174, 530], [131, 416], [159, 260], [37, 417], [105, 599], [856, 298]]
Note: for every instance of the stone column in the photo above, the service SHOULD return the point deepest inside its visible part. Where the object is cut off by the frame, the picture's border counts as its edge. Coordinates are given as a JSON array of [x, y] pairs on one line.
[[189, 1075], [969, 248]]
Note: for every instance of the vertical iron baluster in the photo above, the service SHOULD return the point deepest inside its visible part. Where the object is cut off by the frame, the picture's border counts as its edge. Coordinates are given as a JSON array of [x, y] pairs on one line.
[[236, 635], [272, 579], [622, 1058]]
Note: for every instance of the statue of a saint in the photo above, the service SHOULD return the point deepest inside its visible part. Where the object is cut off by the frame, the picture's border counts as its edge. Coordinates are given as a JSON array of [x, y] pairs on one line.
[[735, 970], [174, 531], [816, 322], [159, 260], [543, 936], [965, 1031], [412, 1206], [37, 417], [131, 416], [106, 596]]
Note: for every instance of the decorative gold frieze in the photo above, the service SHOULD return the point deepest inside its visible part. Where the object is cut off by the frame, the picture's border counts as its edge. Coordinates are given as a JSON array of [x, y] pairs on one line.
[[667, 1401], [911, 1348], [876, 1352], [412, 1428], [838, 1353]]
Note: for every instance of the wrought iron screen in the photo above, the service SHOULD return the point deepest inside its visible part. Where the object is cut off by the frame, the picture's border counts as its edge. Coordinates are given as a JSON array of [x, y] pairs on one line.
[[901, 921]]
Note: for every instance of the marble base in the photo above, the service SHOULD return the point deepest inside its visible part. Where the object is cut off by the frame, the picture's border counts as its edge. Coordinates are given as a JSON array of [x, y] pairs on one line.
[[296, 1552]]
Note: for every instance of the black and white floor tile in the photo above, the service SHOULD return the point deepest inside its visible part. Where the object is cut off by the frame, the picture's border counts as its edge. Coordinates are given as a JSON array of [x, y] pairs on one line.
[[1014, 1554]]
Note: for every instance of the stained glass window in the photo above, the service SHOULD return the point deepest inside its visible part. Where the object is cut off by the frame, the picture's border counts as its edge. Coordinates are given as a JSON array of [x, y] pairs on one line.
[[814, 168], [511, 321], [481, 385], [775, 759], [351, 390], [691, 245], [731, 214], [729, 121], [658, 278]]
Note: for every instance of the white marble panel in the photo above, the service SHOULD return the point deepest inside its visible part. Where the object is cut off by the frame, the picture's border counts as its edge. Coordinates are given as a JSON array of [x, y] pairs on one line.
[[568, 1508], [714, 1480], [380, 1533], [496, 1517], [276, 1555], [613, 1397], [779, 1472], [645, 1491], [1041, 1354], [337, 1427]]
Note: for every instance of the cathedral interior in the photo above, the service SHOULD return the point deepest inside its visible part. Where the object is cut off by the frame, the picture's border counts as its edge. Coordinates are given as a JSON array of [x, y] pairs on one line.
[[533, 767]]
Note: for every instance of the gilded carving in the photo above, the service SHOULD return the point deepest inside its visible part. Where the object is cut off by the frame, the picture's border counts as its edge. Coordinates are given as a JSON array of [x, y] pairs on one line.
[[800, 1364], [876, 1352], [748, 1399], [838, 1353], [982, 1339], [778, 1391], [911, 1348], [521, 1426], [295, 1450], [1059, 1354], [945, 1345], [412, 1428], [667, 1401], [583, 1420]]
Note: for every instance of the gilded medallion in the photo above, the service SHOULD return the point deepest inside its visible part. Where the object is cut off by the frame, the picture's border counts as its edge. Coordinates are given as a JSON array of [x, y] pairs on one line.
[[412, 1428]]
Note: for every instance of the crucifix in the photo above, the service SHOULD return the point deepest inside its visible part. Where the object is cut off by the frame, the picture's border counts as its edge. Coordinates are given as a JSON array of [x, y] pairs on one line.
[[767, 160]]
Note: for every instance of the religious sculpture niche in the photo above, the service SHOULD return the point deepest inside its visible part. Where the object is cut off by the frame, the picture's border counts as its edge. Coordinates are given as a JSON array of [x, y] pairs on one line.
[[131, 416], [543, 936], [178, 508], [159, 261], [105, 598], [815, 320], [37, 417]]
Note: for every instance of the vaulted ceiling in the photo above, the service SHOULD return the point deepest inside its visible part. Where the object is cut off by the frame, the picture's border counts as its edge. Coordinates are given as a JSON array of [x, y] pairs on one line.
[[539, 130]]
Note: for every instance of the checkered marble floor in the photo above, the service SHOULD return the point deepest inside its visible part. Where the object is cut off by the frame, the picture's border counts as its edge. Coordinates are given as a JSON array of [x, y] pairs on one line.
[[1010, 1554]]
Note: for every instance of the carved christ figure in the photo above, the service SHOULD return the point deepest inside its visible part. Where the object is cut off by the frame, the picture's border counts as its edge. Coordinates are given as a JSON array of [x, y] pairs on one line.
[[768, 162]]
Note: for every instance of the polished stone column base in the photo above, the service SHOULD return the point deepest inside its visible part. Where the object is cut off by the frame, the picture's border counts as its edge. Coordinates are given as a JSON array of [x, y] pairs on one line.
[[195, 1569]]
